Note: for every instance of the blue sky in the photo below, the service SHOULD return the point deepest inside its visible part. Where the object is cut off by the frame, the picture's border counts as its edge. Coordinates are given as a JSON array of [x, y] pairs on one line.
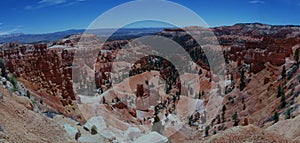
[[43, 16]]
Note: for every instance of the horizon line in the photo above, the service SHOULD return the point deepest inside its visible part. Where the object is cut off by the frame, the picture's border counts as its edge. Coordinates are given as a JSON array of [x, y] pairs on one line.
[[154, 27]]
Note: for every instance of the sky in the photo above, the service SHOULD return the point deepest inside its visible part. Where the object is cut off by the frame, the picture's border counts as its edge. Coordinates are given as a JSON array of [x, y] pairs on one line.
[[45, 16]]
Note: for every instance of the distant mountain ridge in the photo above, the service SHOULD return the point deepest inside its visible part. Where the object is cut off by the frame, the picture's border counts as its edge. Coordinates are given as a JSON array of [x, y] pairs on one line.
[[129, 33], [35, 38], [50, 37]]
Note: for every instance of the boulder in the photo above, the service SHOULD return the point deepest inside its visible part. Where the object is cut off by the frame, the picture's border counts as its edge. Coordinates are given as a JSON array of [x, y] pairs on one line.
[[92, 139], [98, 121], [108, 135], [152, 137], [71, 130], [132, 133]]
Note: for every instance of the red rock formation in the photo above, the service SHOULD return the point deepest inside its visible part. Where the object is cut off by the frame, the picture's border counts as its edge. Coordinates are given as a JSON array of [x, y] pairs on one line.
[[139, 90]]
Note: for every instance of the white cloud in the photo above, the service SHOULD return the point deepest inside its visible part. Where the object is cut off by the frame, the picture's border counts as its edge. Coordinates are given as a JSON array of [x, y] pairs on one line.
[[46, 3], [11, 31], [52, 2], [256, 2]]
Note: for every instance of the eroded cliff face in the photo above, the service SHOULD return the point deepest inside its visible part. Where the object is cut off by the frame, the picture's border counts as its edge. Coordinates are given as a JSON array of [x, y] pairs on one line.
[[57, 74], [46, 73]]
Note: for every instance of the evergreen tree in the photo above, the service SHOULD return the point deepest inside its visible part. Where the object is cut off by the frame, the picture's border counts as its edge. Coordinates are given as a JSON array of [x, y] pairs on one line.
[[156, 119], [296, 55], [28, 94], [235, 119], [223, 113], [283, 72], [242, 80], [288, 113], [207, 131], [157, 125], [3, 69], [103, 100], [218, 119], [14, 82], [223, 117], [283, 102], [224, 109], [280, 91], [190, 120], [77, 135], [276, 117], [244, 107]]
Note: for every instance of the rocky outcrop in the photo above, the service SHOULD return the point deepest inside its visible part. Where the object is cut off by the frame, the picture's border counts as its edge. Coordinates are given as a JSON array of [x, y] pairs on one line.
[[248, 134], [18, 124]]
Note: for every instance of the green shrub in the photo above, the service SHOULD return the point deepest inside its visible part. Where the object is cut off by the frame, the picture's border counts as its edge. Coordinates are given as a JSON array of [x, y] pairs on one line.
[[14, 82], [276, 117], [94, 130], [28, 94], [207, 131], [77, 135]]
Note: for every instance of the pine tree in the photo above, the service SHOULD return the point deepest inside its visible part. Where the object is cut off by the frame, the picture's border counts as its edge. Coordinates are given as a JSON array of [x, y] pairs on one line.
[[296, 55], [14, 82], [280, 91], [223, 113], [190, 120], [283, 72], [103, 100], [156, 119], [283, 102], [3, 69], [207, 131], [28, 94], [242, 80], [77, 135], [223, 117], [276, 117], [288, 113], [235, 119], [218, 119], [224, 109]]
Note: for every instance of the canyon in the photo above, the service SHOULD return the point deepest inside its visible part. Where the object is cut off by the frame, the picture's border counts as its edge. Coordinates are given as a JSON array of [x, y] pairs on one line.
[[85, 89]]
